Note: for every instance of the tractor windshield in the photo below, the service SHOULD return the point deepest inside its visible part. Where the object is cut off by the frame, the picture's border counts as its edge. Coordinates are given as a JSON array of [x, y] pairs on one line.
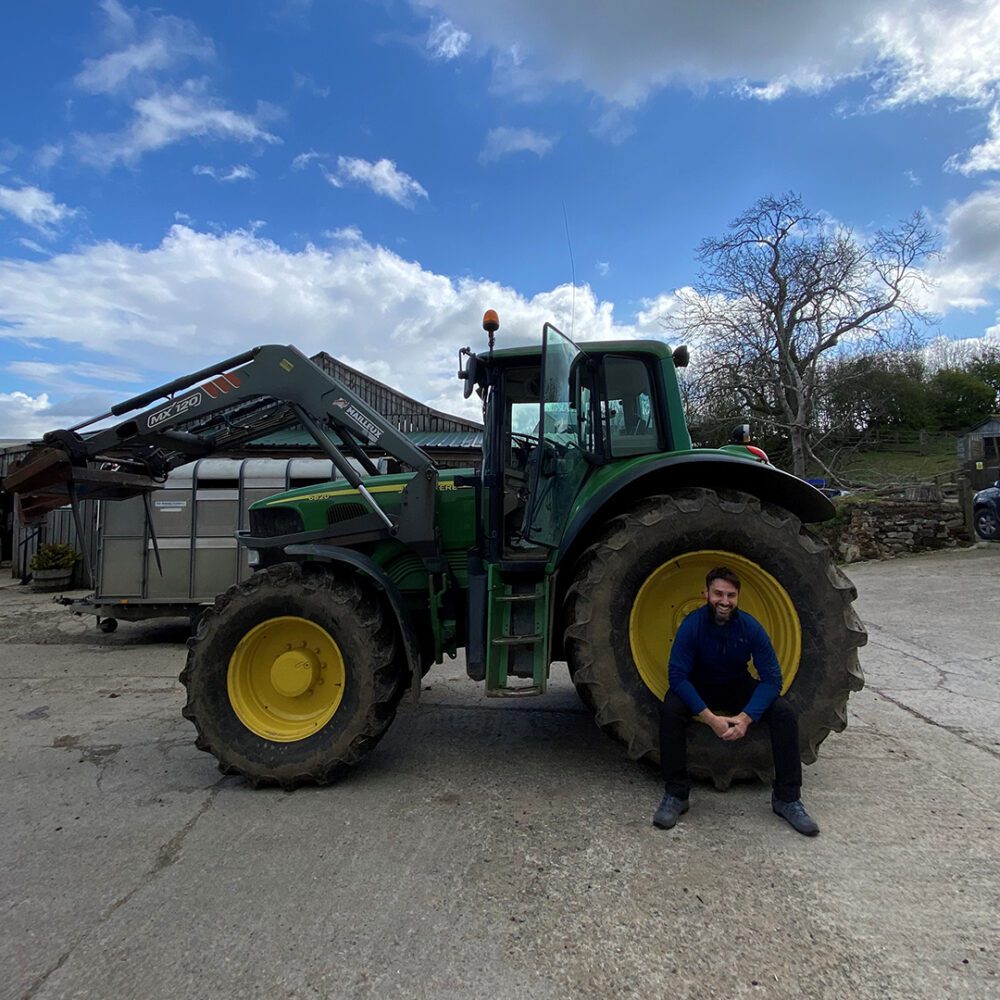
[[558, 463]]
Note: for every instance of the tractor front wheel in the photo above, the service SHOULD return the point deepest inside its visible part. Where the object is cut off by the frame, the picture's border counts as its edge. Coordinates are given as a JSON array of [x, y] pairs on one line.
[[635, 584], [292, 676]]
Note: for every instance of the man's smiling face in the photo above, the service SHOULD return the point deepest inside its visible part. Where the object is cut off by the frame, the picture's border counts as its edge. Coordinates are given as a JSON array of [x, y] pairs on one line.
[[722, 598]]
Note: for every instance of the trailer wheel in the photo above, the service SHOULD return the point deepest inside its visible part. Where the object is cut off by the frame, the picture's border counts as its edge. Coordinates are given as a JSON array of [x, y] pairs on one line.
[[634, 585], [292, 676], [108, 624]]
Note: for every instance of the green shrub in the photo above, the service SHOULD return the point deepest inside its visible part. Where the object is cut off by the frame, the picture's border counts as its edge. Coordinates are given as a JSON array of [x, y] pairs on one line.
[[54, 555]]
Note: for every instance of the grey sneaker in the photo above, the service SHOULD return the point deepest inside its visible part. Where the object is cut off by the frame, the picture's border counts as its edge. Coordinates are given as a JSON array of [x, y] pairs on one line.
[[670, 810], [795, 813]]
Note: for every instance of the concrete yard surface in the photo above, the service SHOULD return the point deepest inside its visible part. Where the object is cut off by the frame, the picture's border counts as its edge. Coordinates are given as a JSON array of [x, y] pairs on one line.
[[501, 849]]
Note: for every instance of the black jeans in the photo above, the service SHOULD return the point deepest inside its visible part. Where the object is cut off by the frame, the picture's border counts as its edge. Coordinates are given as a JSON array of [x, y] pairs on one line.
[[780, 719]]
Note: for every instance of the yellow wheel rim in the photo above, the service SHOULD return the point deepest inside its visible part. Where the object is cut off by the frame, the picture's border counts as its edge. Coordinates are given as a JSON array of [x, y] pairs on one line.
[[675, 589], [286, 679]]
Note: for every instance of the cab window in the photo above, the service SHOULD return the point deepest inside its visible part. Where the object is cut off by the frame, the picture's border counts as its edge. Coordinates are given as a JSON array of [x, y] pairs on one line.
[[627, 410]]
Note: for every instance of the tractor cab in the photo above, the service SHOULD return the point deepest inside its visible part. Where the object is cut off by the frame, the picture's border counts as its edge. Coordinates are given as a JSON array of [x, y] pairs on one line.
[[554, 417]]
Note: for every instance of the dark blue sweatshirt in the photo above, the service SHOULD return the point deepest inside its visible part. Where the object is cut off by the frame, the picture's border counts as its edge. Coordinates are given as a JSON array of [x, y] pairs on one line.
[[710, 654]]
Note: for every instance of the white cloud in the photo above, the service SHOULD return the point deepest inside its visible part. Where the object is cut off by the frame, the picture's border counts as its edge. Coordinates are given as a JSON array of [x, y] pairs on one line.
[[970, 265], [74, 392], [9, 152], [928, 50], [503, 141], [309, 85], [603, 268], [614, 124], [32, 245], [34, 207], [783, 85], [446, 41], [25, 416], [49, 155], [383, 177], [304, 159], [346, 234], [144, 43], [913, 49], [649, 320], [199, 297], [985, 156], [64, 375], [145, 47], [110, 72], [908, 51], [165, 118], [239, 172]]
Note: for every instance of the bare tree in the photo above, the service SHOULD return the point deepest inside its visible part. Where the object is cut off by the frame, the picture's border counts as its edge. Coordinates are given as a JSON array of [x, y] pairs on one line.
[[785, 286]]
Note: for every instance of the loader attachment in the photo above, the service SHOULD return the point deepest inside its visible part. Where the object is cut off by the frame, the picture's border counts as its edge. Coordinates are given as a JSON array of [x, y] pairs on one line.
[[47, 479]]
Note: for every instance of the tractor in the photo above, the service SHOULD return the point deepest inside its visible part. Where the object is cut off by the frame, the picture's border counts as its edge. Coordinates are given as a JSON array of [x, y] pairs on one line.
[[584, 536]]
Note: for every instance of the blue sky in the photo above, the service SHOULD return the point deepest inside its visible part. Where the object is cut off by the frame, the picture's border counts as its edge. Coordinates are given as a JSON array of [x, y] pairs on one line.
[[180, 182]]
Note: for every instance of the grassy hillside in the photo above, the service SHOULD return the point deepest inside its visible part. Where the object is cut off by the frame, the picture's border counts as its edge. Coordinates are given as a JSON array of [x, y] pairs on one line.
[[894, 463]]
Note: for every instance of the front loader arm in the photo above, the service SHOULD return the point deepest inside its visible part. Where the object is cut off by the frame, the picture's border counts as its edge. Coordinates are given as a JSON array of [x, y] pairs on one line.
[[281, 373], [237, 400]]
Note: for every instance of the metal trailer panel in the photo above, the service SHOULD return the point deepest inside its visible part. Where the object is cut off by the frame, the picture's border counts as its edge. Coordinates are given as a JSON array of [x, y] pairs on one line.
[[195, 515]]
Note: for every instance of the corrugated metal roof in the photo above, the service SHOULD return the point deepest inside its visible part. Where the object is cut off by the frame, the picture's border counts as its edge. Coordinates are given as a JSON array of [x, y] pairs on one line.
[[390, 402], [446, 439], [296, 437]]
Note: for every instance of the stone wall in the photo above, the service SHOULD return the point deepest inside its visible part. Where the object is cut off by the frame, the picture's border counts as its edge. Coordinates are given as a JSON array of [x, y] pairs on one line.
[[884, 528]]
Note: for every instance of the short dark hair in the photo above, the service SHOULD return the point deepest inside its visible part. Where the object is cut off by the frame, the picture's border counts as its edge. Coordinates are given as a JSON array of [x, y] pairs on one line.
[[722, 573]]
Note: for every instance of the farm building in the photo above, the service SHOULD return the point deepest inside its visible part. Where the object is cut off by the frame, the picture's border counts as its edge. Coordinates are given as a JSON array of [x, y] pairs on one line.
[[981, 443]]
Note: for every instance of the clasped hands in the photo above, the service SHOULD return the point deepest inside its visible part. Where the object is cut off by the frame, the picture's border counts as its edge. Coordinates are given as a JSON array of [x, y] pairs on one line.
[[727, 727]]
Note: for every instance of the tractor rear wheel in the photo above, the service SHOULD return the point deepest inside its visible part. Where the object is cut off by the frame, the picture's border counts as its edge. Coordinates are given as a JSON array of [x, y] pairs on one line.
[[634, 585], [292, 676]]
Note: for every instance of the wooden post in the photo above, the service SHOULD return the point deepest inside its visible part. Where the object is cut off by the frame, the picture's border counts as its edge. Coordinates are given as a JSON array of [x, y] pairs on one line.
[[965, 503]]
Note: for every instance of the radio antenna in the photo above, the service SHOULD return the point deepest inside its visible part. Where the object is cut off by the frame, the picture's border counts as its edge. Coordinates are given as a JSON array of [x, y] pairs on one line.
[[572, 271]]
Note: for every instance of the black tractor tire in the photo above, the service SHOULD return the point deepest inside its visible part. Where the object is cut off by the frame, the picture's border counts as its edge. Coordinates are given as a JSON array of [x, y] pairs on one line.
[[987, 524], [353, 616], [610, 573]]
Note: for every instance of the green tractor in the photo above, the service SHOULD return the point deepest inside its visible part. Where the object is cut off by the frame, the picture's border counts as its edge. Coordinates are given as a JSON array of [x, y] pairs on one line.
[[585, 536]]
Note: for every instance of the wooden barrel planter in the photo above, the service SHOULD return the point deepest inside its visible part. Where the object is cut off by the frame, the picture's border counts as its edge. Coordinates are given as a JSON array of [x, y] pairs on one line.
[[51, 579]]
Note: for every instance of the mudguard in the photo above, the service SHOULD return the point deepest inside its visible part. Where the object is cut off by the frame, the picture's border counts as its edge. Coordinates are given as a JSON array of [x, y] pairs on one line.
[[372, 571], [714, 471]]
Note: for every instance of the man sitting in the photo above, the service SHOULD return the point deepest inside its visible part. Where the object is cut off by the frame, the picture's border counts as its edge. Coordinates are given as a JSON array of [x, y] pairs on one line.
[[708, 666]]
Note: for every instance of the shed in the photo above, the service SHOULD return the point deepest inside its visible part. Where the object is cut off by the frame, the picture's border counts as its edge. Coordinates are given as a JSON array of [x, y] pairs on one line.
[[981, 443]]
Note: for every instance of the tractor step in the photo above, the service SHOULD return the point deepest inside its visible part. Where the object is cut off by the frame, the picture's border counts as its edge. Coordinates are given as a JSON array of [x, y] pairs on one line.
[[517, 640], [516, 598], [518, 626]]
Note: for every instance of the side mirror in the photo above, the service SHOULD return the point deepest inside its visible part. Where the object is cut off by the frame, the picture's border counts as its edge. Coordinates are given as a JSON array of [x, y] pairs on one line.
[[469, 372]]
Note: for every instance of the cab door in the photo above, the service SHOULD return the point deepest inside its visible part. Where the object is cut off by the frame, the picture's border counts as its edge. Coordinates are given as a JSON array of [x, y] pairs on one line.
[[558, 463]]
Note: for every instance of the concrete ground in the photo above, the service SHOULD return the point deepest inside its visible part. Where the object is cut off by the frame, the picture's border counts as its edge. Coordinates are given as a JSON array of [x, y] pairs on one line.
[[501, 849]]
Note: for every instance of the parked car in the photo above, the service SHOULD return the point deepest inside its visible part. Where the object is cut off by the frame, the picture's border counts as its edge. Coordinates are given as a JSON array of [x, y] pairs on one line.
[[986, 512]]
